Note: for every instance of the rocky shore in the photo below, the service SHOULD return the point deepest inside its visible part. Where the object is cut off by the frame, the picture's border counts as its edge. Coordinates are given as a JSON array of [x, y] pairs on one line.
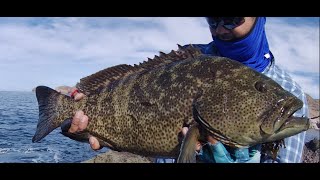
[[313, 112], [118, 157], [311, 152]]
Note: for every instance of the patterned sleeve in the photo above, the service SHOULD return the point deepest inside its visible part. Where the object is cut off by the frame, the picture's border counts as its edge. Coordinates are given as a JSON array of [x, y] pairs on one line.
[[293, 150]]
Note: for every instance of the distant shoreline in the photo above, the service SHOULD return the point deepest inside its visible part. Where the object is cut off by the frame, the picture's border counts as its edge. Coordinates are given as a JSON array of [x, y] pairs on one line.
[[15, 91]]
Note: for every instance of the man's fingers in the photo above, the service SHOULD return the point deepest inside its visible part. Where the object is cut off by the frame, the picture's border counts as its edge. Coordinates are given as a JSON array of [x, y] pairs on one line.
[[198, 146], [75, 94], [78, 96], [83, 123], [79, 123], [70, 91], [75, 121], [184, 131], [94, 143]]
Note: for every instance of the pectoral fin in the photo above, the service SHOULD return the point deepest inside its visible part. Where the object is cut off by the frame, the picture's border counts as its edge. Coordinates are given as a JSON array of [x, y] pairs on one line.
[[188, 147]]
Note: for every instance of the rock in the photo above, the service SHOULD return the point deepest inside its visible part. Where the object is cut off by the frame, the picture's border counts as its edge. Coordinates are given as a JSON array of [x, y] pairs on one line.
[[62, 89], [311, 149], [118, 157], [313, 144], [311, 152], [313, 112]]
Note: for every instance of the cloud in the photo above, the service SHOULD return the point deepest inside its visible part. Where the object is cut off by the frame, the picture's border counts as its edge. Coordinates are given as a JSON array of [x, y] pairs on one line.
[[309, 85], [60, 51], [295, 44]]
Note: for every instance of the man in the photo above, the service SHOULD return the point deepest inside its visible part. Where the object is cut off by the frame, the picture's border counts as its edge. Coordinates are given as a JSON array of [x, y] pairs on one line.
[[242, 39]]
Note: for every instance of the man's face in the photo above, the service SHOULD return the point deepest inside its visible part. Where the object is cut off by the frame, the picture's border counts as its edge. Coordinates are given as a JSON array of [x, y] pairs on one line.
[[226, 32]]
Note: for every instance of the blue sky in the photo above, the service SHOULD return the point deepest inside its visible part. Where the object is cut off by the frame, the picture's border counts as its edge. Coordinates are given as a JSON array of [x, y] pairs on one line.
[[60, 51]]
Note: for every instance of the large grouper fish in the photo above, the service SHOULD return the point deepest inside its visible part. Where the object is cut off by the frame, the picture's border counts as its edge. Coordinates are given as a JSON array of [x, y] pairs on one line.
[[142, 108]]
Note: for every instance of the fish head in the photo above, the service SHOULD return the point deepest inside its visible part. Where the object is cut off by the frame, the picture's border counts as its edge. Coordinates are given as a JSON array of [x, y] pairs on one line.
[[278, 120], [244, 107]]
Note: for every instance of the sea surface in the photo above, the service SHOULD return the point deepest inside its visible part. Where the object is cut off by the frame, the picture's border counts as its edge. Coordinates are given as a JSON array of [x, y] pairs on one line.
[[18, 121]]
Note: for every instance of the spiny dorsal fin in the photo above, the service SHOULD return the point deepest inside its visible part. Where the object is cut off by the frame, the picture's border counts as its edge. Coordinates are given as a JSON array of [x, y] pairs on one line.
[[190, 50], [96, 82]]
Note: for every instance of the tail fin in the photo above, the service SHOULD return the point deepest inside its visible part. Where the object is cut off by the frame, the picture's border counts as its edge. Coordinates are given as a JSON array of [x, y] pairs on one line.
[[48, 115]]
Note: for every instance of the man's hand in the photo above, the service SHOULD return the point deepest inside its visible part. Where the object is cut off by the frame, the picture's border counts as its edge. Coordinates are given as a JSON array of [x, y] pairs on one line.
[[80, 120]]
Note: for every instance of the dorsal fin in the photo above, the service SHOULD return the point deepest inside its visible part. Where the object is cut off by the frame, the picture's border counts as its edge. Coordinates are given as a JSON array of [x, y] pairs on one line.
[[96, 82]]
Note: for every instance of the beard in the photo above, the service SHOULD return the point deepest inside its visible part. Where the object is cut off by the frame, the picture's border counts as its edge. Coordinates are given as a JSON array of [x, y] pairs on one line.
[[225, 37]]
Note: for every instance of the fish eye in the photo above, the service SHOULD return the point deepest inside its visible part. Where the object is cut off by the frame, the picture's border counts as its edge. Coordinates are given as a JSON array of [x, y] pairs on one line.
[[260, 86]]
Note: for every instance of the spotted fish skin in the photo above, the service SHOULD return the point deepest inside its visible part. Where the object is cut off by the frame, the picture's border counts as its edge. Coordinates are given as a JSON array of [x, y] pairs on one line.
[[142, 108]]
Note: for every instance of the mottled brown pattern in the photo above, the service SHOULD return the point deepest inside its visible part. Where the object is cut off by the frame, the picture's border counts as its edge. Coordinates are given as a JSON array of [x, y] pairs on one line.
[[236, 106], [143, 111]]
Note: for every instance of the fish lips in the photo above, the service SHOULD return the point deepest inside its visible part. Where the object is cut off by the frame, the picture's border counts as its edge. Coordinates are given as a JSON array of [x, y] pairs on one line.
[[298, 123], [283, 118], [288, 120]]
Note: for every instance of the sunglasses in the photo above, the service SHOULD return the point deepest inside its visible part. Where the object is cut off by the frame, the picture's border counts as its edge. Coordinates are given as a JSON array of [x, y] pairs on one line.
[[227, 22]]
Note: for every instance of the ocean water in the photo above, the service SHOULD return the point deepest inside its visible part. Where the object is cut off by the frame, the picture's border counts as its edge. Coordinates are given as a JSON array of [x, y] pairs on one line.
[[18, 121]]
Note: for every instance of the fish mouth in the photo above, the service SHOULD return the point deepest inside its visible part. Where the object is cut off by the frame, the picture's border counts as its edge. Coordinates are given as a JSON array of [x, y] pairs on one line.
[[285, 118], [290, 125], [213, 132], [280, 117]]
